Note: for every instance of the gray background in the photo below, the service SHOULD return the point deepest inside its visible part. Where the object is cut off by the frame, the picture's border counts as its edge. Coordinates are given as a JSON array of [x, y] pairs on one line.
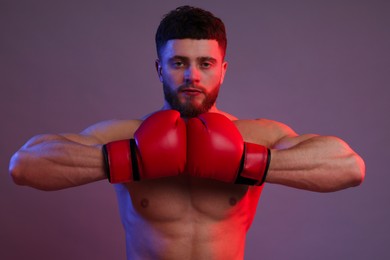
[[319, 66]]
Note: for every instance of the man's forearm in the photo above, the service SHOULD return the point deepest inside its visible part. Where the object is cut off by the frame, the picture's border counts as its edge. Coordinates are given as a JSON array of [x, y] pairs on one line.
[[52, 162], [319, 163]]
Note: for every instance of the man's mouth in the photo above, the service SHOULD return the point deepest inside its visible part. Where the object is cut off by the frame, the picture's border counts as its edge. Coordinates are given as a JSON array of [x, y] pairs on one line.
[[191, 91]]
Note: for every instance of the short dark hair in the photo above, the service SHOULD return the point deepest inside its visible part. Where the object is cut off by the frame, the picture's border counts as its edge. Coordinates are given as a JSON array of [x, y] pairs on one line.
[[187, 22]]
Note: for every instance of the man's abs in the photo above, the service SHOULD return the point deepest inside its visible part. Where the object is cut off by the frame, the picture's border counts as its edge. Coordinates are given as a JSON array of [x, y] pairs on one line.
[[186, 218]]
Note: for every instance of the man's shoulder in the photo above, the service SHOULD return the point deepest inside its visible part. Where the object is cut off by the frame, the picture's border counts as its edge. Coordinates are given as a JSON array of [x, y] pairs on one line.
[[261, 122], [114, 129], [262, 130]]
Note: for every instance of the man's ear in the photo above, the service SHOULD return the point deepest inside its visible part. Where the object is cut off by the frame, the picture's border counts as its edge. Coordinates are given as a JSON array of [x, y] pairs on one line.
[[224, 68], [159, 69]]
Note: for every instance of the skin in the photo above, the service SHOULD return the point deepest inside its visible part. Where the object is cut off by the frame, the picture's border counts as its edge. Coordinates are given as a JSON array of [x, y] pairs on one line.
[[184, 217]]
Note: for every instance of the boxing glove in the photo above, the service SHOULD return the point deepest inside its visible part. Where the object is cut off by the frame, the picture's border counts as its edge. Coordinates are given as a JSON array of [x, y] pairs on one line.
[[157, 150], [216, 150]]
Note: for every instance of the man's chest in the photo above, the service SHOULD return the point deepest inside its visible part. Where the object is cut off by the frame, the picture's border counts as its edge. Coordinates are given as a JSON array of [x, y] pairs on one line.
[[171, 199]]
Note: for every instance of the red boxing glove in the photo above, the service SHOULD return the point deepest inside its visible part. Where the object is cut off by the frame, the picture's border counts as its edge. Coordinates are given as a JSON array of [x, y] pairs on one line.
[[157, 150], [216, 150]]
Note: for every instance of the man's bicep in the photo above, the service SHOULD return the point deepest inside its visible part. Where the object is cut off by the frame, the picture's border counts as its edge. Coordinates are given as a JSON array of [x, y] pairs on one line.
[[287, 137], [82, 138], [92, 135], [289, 141]]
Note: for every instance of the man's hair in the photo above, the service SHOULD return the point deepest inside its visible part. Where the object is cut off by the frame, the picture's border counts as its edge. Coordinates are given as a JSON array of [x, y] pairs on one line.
[[187, 22]]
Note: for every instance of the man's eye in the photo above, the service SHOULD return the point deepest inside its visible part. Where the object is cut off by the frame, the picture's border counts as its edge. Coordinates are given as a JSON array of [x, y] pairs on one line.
[[177, 64], [206, 65]]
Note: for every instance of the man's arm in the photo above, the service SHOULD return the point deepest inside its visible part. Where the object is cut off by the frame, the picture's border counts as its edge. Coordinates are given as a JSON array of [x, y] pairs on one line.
[[53, 162], [310, 162], [316, 163]]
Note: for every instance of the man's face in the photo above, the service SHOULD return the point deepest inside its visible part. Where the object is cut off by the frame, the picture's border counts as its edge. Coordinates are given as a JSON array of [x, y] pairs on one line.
[[191, 72]]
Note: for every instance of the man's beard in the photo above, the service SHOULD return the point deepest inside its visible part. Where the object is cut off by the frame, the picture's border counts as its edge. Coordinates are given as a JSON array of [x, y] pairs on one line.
[[188, 108]]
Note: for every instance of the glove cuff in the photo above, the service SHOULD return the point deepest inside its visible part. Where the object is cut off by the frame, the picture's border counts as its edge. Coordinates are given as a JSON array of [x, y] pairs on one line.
[[254, 164], [120, 161]]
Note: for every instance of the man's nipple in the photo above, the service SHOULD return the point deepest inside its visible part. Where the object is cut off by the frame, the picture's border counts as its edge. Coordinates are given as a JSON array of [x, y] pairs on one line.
[[232, 201], [144, 203]]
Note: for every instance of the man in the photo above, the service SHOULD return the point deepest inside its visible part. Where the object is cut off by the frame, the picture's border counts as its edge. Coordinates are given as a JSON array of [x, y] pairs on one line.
[[188, 177]]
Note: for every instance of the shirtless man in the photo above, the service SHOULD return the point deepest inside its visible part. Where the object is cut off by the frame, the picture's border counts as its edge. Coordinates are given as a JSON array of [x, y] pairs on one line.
[[184, 202]]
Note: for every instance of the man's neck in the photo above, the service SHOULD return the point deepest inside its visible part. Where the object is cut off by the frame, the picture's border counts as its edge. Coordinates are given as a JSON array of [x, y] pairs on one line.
[[213, 109]]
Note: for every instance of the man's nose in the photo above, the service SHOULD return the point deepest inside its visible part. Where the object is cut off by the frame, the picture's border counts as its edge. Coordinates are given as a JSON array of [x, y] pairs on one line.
[[192, 74]]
